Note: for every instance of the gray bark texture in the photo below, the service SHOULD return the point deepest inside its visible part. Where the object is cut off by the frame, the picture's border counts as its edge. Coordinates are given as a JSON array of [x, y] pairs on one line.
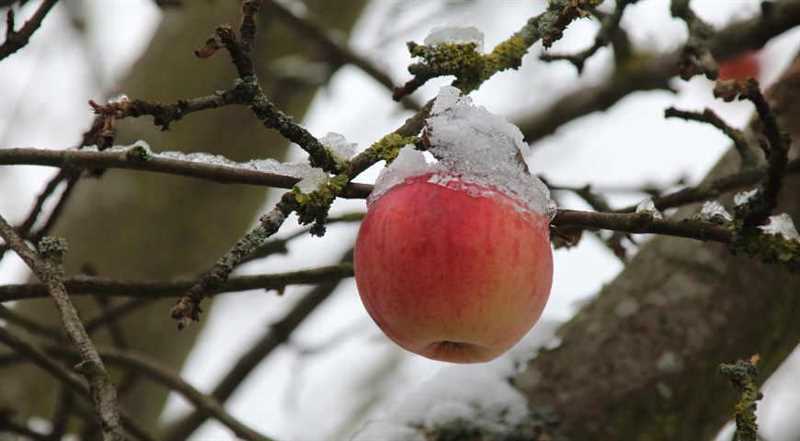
[[143, 226], [641, 361]]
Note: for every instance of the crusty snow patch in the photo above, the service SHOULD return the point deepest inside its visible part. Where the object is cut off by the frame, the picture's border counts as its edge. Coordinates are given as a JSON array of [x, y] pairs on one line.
[[781, 225], [649, 207], [339, 145], [474, 146], [744, 197], [714, 211], [479, 396], [455, 35]]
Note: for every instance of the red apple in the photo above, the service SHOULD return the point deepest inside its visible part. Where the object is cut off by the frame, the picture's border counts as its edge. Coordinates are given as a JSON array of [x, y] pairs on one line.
[[741, 67], [453, 271]]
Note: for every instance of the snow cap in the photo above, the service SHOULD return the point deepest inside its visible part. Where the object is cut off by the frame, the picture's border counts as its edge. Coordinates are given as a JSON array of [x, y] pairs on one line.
[[474, 146]]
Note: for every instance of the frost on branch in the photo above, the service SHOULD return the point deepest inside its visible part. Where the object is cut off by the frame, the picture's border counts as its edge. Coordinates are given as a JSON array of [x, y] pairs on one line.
[[781, 225], [299, 170], [455, 35], [475, 146]]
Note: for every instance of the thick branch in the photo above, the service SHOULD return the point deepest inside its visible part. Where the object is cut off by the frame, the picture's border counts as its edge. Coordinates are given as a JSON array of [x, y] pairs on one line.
[[156, 164]]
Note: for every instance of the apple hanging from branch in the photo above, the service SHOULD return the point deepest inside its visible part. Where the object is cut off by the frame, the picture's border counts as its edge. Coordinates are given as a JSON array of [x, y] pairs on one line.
[[453, 260]]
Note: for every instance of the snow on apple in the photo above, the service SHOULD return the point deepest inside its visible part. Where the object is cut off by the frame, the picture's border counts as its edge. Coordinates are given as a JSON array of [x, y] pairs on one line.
[[453, 260]]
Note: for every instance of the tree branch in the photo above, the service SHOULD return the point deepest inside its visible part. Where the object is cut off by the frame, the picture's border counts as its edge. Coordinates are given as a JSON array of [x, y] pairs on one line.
[[205, 404], [275, 335], [49, 272], [654, 73], [340, 52], [66, 377], [86, 285], [15, 40]]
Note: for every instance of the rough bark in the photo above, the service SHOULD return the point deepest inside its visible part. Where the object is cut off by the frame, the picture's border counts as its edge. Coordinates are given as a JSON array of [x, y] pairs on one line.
[[131, 225], [641, 361]]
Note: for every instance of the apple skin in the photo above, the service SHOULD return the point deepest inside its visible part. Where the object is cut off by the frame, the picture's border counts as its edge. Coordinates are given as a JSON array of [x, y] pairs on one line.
[[449, 275], [741, 67]]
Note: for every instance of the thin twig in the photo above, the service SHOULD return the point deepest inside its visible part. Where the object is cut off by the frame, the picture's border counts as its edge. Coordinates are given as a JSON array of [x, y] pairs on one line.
[[279, 246], [187, 308], [655, 72], [15, 40], [712, 189], [73, 381], [708, 116], [164, 114], [610, 25], [84, 285], [776, 148], [275, 335], [471, 68], [341, 53], [644, 223], [48, 270], [206, 404], [697, 57]]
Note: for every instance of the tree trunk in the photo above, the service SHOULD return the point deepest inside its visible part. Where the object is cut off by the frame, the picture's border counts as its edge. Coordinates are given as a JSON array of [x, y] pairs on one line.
[[145, 226], [641, 361]]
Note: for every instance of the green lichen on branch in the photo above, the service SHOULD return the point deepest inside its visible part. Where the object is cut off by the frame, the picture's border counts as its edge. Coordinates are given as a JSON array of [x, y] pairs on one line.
[[549, 26], [388, 147], [742, 375], [471, 68], [770, 248], [52, 249], [313, 207], [139, 153], [460, 60]]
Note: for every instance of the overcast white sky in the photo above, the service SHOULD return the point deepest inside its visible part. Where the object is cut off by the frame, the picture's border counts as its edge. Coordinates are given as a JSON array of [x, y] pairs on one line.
[[304, 398]]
